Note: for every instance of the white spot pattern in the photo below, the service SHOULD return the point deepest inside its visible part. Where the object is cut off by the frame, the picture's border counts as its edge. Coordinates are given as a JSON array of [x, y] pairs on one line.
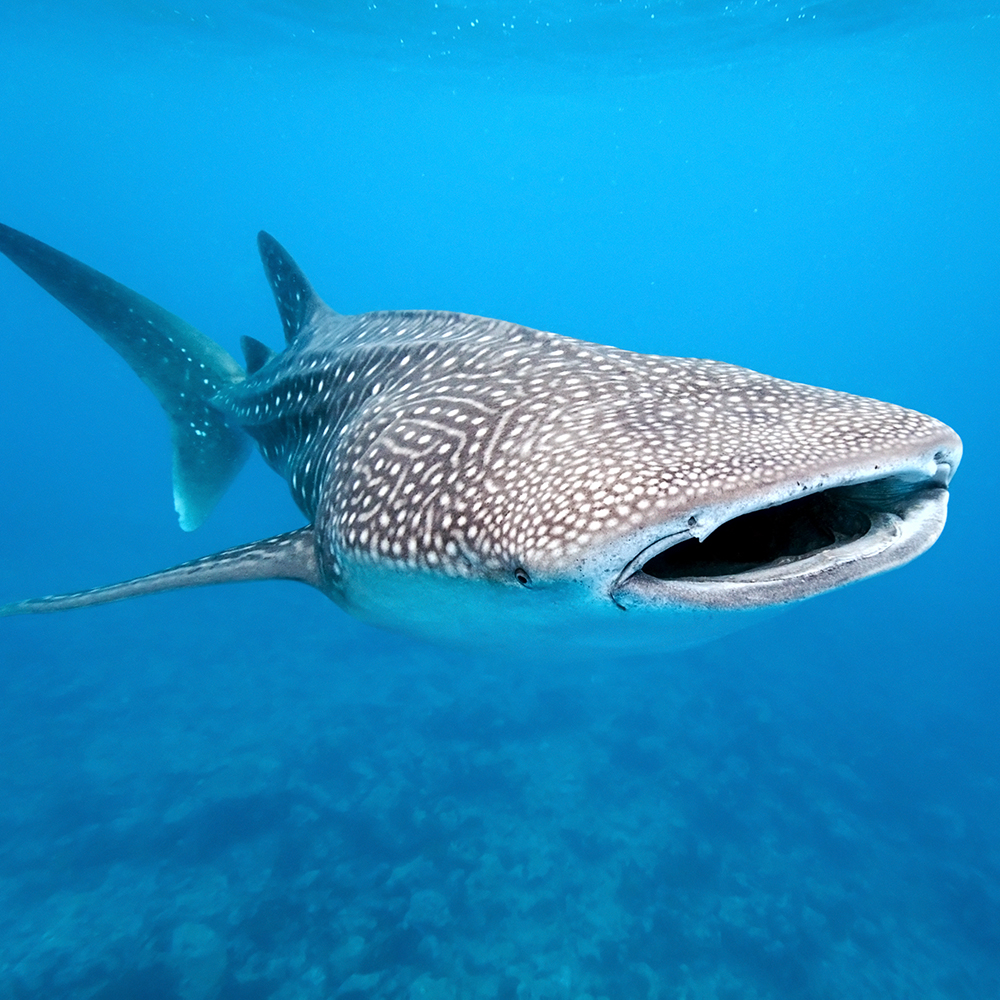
[[475, 446]]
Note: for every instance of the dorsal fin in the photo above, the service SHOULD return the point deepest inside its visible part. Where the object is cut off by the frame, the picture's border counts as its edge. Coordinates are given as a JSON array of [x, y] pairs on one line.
[[183, 368], [257, 354], [296, 300], [291, 556]]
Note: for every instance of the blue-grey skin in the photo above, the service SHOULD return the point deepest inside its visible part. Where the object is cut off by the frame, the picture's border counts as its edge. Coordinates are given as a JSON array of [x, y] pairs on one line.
[[472, 481]]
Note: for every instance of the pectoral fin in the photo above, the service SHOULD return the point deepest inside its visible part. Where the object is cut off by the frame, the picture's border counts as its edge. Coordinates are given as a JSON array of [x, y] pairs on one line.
[[291, 556]]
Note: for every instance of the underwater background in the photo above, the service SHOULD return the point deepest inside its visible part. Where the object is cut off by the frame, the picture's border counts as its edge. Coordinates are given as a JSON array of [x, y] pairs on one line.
[[240, 793]]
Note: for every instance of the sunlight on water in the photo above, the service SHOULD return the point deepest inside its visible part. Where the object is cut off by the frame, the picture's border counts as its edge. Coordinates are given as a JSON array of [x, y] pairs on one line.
[[601, 37], [240, 793]]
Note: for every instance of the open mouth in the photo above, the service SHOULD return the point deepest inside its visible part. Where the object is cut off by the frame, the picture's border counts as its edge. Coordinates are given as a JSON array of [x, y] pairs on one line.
[[794, 549], [776, 536]]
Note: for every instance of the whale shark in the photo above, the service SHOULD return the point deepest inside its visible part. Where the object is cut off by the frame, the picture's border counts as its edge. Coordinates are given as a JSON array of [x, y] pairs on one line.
[[474, 482]]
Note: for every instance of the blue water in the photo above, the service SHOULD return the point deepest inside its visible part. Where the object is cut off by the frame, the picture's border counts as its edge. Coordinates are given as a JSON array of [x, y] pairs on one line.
[[241, 793]]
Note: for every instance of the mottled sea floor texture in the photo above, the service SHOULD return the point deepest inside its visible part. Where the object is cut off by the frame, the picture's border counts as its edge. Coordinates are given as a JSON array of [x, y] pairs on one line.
[[240, 793], [400, 825]]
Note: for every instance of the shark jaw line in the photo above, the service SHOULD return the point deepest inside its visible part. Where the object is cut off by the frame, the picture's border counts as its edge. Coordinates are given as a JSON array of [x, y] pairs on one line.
[[785, 550]]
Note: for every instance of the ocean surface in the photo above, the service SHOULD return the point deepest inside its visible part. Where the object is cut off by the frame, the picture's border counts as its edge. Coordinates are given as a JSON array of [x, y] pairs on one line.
[[241, 793]]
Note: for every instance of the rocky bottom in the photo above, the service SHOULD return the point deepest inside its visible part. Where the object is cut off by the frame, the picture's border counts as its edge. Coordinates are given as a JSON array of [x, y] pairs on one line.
[[394, 824]]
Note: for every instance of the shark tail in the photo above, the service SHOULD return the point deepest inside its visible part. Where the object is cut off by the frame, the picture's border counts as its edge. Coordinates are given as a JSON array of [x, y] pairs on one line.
[[291, 556], [183, 368]]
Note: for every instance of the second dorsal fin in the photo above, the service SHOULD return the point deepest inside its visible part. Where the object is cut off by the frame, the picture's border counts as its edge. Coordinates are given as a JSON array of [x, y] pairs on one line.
[[257, 354], [296, 300]]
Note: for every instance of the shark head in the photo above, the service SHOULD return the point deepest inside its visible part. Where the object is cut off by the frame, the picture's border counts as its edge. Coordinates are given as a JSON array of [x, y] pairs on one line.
[[469, 480]]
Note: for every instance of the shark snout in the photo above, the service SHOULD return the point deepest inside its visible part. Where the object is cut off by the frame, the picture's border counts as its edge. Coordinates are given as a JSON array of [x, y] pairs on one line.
[[776, 548]]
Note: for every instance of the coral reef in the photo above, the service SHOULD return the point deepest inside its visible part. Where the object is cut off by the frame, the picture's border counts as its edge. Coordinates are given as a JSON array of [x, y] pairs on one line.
[[412, 828]]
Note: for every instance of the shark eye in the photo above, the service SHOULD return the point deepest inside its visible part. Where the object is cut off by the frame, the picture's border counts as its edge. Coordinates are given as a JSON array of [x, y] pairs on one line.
[[522, 577]]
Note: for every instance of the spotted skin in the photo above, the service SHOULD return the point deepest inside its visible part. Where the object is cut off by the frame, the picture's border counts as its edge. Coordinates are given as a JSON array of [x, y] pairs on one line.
[[462, 474], [467, 446]]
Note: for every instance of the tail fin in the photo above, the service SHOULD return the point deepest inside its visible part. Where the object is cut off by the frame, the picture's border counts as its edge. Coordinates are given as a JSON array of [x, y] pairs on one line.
[[183, 367]]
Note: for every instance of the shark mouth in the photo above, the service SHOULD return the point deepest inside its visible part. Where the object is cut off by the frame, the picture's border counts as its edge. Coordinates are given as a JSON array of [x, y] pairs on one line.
[[792, 550]]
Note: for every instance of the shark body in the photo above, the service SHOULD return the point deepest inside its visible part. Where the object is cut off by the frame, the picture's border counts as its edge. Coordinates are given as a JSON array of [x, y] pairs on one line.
[[468, 480]]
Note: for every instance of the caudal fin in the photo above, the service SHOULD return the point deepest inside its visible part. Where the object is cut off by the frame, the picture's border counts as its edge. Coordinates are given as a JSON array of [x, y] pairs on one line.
[[183, 368]]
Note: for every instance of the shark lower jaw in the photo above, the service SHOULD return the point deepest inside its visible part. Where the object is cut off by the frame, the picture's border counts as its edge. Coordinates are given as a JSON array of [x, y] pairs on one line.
[[789, 551]]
